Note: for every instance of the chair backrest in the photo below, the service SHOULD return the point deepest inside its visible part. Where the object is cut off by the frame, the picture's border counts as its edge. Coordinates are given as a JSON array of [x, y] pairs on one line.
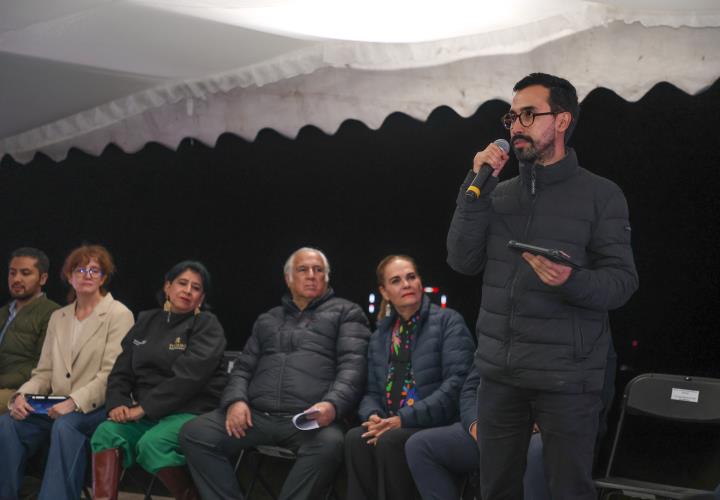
[[679, 414], [674, 397]]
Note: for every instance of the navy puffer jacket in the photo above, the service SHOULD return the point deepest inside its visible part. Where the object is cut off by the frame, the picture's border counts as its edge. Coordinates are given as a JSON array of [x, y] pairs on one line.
[[441, 356], [296, 358]]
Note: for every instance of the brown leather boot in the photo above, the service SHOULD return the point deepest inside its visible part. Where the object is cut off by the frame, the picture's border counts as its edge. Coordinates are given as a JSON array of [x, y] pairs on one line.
[[178, 481], [106, 474]]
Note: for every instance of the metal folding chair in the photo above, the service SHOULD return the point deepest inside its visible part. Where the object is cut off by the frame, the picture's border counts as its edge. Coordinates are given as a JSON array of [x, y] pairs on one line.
[[276, 452], [673, 398]]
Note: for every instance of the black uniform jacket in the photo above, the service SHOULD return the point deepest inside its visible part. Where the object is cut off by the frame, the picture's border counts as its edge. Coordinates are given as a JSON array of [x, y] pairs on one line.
[[169, 366]]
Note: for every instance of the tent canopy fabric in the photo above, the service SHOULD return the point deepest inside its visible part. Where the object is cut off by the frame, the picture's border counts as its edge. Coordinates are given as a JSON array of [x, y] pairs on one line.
[[86, 73]]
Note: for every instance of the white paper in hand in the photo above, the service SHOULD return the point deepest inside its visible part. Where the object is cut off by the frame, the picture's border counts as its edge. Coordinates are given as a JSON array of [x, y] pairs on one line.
[[304, 423]]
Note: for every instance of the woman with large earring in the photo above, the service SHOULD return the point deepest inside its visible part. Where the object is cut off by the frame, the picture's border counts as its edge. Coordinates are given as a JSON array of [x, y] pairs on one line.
[[417, 362], [80, 347], [170, 370]]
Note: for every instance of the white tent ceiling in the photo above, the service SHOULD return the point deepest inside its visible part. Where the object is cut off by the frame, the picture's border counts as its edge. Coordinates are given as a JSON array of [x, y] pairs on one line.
[[85, 73]]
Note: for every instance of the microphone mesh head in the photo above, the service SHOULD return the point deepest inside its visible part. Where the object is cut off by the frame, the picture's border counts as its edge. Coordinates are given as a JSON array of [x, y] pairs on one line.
[[503, 144]]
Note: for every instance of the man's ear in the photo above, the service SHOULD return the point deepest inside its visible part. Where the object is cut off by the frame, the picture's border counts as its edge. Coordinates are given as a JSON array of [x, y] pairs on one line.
[[563, 121], [43, 278]]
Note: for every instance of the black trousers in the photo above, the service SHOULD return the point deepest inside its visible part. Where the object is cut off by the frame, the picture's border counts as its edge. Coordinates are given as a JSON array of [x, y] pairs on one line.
[[379, 472], [209, 451], [568, 424]]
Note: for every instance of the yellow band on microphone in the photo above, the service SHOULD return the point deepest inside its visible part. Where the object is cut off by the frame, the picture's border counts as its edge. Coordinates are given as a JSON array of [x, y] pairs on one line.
[[475, 190]]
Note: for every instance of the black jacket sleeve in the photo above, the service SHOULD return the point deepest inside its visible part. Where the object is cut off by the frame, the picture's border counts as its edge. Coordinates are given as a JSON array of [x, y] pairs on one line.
[[237, 387], [352, 342], [467, 236], [121, 381], [468, 399], [611, 277]]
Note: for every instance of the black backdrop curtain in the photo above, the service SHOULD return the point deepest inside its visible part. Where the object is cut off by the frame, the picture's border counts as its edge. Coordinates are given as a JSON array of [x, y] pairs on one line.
[[359, 194]]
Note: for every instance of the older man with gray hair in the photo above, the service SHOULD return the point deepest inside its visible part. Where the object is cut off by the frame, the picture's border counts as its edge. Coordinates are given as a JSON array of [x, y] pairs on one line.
[[308, 354]]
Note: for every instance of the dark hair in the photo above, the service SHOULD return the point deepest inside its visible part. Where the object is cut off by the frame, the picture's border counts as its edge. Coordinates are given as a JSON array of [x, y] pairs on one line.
[[194, 266], [80, 257], [380, 274], [42, 263], [563, 96]]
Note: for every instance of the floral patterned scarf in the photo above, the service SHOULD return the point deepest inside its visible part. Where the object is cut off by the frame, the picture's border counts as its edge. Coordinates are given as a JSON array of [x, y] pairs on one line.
[[400, 383]]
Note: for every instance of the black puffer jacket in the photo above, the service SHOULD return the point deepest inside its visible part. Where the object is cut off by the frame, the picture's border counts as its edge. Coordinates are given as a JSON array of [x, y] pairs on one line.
[[530, 334], [441, 356], [296, 358]]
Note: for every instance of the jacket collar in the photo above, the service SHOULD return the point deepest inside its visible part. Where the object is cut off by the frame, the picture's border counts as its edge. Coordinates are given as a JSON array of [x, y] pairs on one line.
[[289, 305], [33, 303], [550, 174], [389, 321], [94, 322], [27, 307], [174, 319]]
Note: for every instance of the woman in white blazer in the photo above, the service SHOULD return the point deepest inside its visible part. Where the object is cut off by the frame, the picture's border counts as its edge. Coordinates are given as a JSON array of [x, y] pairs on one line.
[[82, 342]]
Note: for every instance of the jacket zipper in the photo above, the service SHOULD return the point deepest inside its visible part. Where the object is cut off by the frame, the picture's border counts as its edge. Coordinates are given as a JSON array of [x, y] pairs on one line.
[[516, 277], [284, 348]]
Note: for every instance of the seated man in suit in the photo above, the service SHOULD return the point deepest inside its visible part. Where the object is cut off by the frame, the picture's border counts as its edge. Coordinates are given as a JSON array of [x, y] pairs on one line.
[[309, 353]]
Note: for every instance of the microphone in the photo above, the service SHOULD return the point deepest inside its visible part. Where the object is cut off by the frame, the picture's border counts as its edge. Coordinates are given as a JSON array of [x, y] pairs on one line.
[[473, 191]]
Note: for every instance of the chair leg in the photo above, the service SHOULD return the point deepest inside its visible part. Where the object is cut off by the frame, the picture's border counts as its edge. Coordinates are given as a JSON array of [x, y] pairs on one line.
[[106, 474], [257, 477], [148, 490], [254, 474], [178, 481]]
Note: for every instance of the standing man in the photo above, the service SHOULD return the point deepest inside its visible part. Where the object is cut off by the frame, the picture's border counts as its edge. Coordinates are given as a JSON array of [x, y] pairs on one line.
[[309, 353], [23, 320], [543, 330]]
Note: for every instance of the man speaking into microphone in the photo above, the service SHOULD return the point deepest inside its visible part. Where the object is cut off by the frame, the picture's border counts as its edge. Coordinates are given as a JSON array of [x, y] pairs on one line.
[[543, 331]]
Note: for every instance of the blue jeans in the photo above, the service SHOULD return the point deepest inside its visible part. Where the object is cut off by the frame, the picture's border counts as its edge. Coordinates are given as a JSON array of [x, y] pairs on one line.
[[67, 457], [440, 456]]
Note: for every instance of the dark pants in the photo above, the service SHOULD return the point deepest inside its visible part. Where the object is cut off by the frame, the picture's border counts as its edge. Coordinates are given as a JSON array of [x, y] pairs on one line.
[[379, 472], [440, 458], [568, 423], [67, 458], [209, 451]]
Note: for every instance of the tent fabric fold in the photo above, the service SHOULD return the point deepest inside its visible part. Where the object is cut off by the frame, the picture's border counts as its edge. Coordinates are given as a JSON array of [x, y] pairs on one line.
[[290, 80]]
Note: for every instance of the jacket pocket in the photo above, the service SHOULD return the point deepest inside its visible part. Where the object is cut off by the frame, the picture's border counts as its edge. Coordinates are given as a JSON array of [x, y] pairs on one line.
[[586, 333]]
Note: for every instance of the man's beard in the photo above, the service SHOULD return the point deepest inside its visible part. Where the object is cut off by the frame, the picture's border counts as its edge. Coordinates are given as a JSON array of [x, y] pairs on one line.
[[22, 295], [530, 153]]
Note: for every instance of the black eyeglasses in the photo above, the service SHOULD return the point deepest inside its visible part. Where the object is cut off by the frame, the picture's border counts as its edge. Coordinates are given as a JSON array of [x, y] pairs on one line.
[[527, 117]]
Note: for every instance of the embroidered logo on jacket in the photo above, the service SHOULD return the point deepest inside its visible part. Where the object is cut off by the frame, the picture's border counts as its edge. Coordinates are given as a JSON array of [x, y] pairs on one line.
[[139, 342], [178, 345]]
